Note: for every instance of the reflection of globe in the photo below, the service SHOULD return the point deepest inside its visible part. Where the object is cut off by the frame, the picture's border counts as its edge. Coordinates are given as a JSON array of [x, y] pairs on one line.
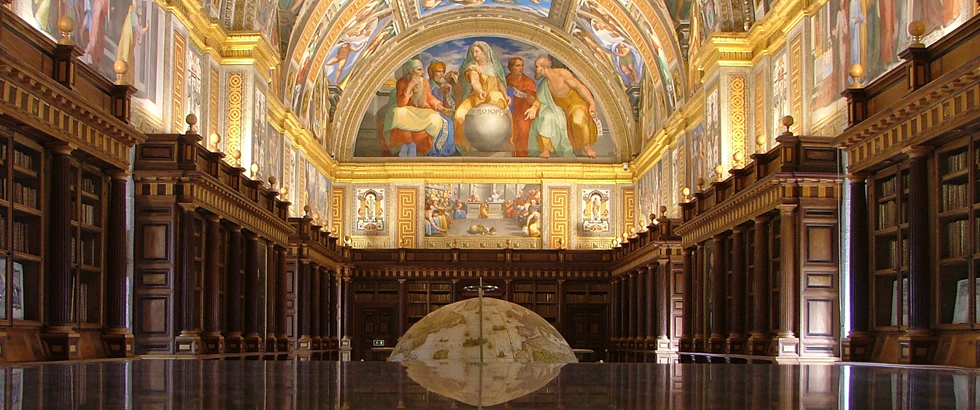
[[487, 127], [483, 330], [482, 384]]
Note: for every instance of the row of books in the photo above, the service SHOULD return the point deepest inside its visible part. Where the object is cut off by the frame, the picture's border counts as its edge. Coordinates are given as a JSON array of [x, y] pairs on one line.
[[954, 197], [422, 297], [89, 252], [888, 256], [579, 298], [957, 238], [88, 185], [23, 159], [25, 195], [88, 214], [22, 236], [955, 162]]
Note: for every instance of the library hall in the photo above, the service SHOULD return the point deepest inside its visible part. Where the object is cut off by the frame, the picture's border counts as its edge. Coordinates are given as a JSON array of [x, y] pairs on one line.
[[534, 204]]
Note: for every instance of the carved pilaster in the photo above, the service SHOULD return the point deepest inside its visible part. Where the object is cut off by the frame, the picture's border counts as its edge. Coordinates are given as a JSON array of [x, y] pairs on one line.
[[282, 340], [716, 343], [918, 345], [857, 346], [211, 336], [188, 342], [687, 316], [785, 343], [758, 341], [736, 323], [253, 341], [117, 337], [59, 337], [234, 342]]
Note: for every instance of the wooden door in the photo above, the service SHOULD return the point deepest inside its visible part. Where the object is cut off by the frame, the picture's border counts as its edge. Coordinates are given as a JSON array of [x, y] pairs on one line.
[[586, 329], [375, 323]]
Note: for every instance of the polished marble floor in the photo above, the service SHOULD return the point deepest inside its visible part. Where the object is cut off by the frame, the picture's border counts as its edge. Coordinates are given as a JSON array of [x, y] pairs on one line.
[[195, 384]]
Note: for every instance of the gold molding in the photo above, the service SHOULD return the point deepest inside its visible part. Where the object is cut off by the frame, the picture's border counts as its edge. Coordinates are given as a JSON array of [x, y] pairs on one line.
[[560, 227], [407, 220], [517, 171], [337, 211], [177, 91], [233, 135]]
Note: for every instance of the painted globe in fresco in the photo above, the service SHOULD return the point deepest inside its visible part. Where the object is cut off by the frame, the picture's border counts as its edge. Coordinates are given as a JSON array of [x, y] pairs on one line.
[[487, 127], [481, 330]]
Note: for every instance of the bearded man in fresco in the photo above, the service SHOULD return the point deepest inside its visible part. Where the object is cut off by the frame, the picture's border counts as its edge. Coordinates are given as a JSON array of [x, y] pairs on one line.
[[412, 121], [524, 94]]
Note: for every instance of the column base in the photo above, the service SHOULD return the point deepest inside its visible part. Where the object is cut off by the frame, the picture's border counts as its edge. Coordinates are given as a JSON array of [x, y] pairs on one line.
[[253, 343], [270, 343], [716, 344], [698, 344], [664, 350], [213, 343], [61, 344], [786, 349], [189, 344], [758, 345], [316, 343], [345, 349], [917, 347], [857, 347], [735, 344], [687, 344], [304, 348], [119, 343], [234, 343], [282, 344]]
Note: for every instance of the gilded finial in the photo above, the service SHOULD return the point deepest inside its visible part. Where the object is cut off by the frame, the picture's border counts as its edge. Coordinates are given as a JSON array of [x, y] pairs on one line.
[[191, 120], [120, 67], [66, 25], [787, 122], [213, 142], [916, 29], [856, 72]]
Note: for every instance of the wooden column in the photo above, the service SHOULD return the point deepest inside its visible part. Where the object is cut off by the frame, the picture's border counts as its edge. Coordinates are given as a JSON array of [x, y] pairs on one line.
[[736, 322], [560, 325], [759, 334], [641, 307], [631, 307], [654, 298], [699, 304], [211, 335], [282, 334], [117, 336], [402, 306], [314, 306], [718, 314], [59, 335], [687, 316], [188, 342], [325, 299], [272, 295], [508, 296], [662, 311], [785, 343], [252, 339], [859, 342], [234, 343], [918, 344], [304, 342]]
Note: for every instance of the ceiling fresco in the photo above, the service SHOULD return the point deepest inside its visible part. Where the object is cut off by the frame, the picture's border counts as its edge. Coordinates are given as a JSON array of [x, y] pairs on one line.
[[345, 52]]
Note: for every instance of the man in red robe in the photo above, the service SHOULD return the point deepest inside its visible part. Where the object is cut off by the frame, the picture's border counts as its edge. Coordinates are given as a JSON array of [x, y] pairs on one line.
[[413, 120], [524, 94]]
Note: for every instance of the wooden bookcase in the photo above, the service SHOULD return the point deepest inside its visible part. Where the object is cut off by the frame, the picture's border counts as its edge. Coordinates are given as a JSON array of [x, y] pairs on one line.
[[541, 297], [88, 192], [586, 292], [424, 296], [889, 190], [22, 228], [958, 224]]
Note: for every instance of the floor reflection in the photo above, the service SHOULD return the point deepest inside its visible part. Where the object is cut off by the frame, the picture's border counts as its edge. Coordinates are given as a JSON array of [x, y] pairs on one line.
[[193, 384]]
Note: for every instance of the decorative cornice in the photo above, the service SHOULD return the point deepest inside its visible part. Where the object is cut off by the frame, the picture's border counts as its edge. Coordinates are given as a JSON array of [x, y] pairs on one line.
[[250, 48], [459, 171]]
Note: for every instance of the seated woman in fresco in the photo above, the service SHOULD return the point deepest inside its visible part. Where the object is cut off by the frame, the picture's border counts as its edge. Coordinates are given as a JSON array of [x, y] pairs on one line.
[[483, 81]]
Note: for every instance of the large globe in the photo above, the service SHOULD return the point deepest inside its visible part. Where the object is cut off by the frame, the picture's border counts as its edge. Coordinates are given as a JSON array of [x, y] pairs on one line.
[[480, 330], [487, 127]]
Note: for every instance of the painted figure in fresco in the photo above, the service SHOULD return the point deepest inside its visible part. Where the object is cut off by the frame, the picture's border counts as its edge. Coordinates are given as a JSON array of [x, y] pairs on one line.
[[412, 121], [339, 60], [132, 33], [523, 94], [431, 4], [442, 88], [561, 89], [595, 207], [626, 63], [95, 49], [533, 226], [857, 27], [436, 222], [841, 34], [483, 82]]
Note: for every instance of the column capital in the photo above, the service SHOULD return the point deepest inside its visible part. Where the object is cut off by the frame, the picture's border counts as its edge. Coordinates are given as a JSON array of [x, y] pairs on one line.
[[917, 151], [119, 174], [63, 148], [787, 208], [858, 177]]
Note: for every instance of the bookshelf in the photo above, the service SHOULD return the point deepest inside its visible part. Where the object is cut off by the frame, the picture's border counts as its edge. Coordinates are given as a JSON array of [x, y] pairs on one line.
[[775, 255], [541, 297], [88, 192], [424, 296], [376, 291], [21, 226], [958, 223], [586, 292], [890, 232]]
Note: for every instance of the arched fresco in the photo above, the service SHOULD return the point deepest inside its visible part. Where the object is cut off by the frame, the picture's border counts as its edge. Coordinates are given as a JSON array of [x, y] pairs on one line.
[[484, 97], [539, 7]]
